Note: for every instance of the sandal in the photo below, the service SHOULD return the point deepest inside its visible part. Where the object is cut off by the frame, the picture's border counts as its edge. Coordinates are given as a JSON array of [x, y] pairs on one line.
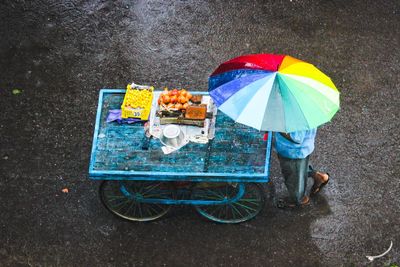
[[317, 187], [285, 204]]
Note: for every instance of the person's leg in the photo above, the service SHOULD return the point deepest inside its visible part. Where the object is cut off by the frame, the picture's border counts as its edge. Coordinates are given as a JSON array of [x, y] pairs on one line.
[[310, 171], [294, 172], [320, 179], [304, 165]]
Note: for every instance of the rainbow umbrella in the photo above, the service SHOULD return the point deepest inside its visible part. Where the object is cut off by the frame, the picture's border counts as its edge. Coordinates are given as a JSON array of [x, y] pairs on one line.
[[274, 93]]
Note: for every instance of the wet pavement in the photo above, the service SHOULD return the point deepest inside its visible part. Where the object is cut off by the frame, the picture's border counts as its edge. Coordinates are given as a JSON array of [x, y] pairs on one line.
[[59, 54]]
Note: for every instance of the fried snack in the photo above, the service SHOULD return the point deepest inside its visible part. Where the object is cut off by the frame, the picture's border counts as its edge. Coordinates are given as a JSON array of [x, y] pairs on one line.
[[196, 99], [196, 112]]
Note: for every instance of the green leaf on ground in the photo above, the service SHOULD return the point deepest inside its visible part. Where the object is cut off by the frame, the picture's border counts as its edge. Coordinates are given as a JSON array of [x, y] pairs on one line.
[[16, 91]]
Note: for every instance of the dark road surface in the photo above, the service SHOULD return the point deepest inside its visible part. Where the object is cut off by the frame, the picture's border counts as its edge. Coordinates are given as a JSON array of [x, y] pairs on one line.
[[61, 53]]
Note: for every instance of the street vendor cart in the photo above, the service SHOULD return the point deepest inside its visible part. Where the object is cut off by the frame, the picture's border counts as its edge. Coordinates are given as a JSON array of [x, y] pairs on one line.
[[140, 182]]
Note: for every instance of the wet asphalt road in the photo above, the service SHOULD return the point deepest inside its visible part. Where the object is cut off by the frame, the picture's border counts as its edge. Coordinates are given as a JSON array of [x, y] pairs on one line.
[[61, 53]]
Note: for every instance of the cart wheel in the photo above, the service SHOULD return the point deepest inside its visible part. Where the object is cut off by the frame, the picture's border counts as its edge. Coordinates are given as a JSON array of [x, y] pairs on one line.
[[246, 208], [126, 204]]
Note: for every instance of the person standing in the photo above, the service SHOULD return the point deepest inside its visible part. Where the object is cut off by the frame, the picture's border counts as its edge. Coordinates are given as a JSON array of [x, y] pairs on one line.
[[294, 150]]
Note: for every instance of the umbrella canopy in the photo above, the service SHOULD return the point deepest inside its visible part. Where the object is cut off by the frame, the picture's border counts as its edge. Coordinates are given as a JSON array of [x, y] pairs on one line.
[[274, 93]]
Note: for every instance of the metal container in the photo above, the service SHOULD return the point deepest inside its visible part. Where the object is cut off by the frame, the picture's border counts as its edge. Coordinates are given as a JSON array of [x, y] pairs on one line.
[[172, 136]]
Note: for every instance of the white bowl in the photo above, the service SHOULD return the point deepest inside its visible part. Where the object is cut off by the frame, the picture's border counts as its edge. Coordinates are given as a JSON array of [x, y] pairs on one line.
[[172, 136]]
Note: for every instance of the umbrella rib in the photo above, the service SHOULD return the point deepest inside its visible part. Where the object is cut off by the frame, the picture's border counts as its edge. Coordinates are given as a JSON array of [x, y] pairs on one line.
[[317, 91], [289, 92], [318, 71], [283, 104], [299, 62], [215, 93], [256, 96], [325, 96], [275, 83]]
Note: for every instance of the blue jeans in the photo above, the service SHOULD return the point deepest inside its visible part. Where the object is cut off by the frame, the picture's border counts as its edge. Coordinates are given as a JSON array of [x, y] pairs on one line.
[[295, 172]]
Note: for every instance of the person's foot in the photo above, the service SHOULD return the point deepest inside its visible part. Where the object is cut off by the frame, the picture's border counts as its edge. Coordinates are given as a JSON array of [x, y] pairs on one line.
[[320, 180], [286, 204]]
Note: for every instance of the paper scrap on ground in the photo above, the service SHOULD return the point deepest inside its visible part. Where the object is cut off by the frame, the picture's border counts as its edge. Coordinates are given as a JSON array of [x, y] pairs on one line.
[[371, 258]]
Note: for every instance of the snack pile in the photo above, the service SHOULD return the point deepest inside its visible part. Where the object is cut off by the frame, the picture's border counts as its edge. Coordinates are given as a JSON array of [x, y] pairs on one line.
[[174, 99]]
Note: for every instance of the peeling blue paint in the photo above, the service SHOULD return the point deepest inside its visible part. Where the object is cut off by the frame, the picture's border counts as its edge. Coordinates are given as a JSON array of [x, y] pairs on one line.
[[237, 154]]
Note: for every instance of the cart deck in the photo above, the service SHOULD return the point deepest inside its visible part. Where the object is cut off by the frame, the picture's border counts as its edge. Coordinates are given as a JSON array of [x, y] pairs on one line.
[[220, 178], [237, 153]]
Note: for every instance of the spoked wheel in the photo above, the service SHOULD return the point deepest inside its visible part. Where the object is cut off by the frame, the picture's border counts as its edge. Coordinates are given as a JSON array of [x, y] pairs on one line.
[[243, 209], [126, 199]]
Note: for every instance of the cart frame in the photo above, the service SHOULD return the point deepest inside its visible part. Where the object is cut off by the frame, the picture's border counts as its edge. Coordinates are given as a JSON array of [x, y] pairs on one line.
[[124, 182]]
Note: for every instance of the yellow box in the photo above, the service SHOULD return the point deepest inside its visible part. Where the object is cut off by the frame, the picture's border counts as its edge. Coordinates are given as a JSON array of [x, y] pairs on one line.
[[137, 101]]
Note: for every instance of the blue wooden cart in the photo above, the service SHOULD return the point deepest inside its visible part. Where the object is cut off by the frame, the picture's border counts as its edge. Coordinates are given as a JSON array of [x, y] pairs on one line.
[[221, 179]]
